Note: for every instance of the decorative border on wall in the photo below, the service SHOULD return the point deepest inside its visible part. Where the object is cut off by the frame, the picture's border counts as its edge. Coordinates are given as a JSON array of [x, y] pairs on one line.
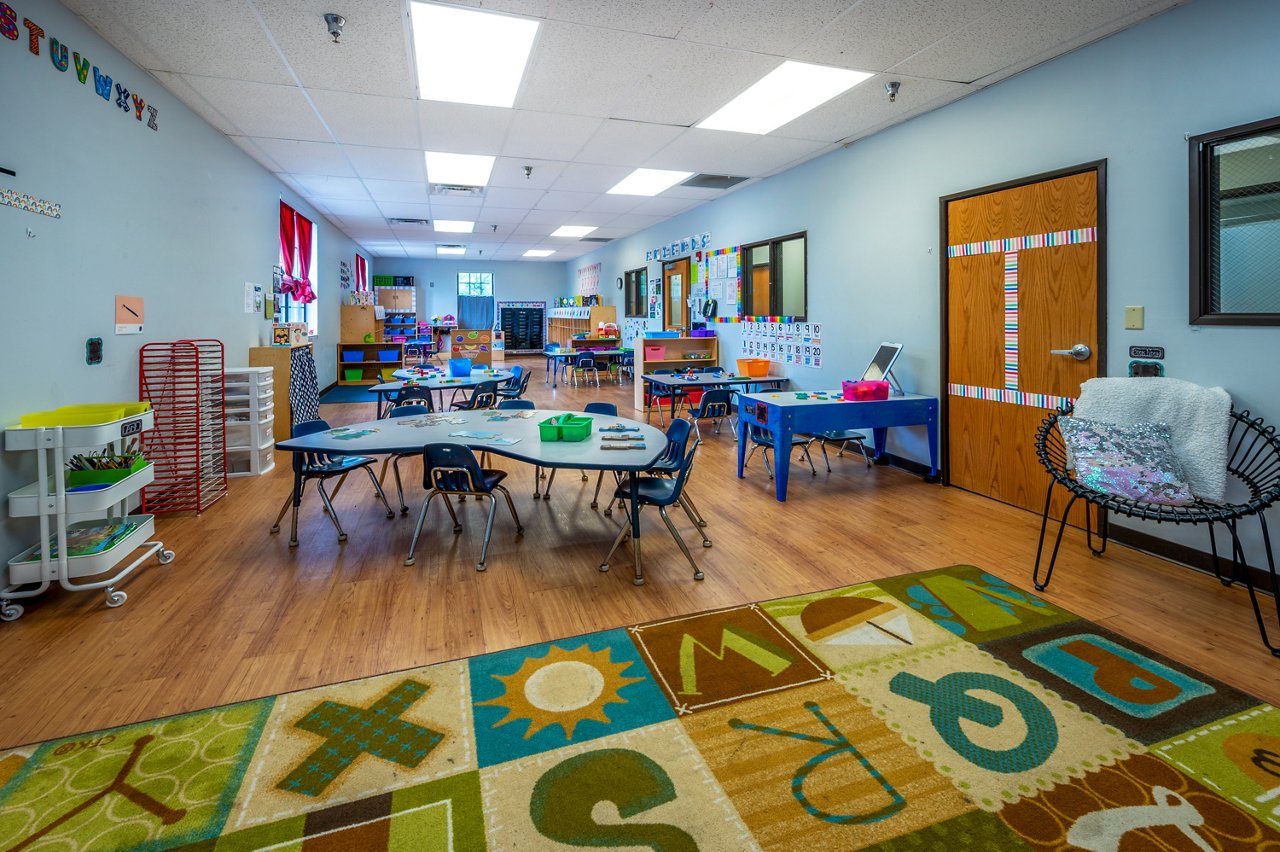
[[1017, 397], [1056, 238], [498, 321], [1011, 320], [757, 319], [31, 204]]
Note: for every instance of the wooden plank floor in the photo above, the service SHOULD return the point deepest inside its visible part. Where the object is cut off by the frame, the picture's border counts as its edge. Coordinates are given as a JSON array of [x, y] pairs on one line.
[[239, 614]]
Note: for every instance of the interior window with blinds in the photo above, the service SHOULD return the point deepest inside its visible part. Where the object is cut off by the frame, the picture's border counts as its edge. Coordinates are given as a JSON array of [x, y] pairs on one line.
[[1235, 224]]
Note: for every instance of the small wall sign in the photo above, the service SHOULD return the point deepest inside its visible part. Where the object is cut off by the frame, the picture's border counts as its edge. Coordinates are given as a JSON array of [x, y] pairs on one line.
[[128, 315], [1146, 351]]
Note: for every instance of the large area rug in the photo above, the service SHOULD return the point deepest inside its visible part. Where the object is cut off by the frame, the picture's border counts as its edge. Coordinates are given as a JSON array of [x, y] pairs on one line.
[[946, 710]]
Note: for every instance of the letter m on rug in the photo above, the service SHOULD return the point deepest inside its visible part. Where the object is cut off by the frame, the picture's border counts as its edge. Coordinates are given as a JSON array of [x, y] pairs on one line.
[[746, 645]]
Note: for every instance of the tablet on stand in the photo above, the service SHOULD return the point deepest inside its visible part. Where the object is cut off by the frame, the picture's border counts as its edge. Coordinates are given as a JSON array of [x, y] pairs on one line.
[[881, 366]]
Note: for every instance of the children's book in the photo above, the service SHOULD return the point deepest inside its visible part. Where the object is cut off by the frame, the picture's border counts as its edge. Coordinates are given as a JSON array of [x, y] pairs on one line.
[[88, 538]]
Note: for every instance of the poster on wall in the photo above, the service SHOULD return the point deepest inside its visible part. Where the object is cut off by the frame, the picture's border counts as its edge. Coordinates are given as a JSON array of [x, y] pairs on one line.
[[344, 275], [589, 280], [129, 315]]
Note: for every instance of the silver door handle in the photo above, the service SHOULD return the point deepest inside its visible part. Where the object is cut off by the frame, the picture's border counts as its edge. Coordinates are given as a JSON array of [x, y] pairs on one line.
[[1080, 351]]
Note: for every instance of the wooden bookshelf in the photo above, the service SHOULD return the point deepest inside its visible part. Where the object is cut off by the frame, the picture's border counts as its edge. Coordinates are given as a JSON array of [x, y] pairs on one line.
[[564, 323], [679, 352]]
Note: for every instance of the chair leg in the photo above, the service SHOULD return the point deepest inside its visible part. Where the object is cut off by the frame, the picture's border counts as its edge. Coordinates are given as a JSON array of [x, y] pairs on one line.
[[512, 506], [684, 504], [1053, 556], [693, 507], [768, 467], [448, 504], [395, 468], [376, 487], [684, 548], [328, 504], [804, 451], [288, 501], [822, 445], [751, 452], [488, 531], [1248, 580], [537, 482], [422, 517], [622, 534]]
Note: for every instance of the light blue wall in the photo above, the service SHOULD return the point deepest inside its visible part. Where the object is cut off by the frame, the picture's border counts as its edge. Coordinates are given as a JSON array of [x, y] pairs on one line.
[[179, 216], [437, 281], [872, 213]]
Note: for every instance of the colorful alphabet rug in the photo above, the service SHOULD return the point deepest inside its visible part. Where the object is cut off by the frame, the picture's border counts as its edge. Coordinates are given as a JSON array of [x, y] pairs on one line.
[[945, 710]]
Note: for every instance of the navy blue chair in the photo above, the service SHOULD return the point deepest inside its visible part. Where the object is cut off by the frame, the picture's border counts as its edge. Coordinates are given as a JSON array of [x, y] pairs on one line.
[[451, 470], [516, 405], [716, 404], [845, 437], [515, 387], [668, 464], [585, 362], [659, 491], [320, 467], [413, 395], [762, 438], [672, 395], [484, 396]]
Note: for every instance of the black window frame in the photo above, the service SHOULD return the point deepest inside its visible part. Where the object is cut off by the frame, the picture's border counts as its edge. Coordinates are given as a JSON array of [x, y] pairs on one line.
[[775, 292], [635, 288], [1204, 218]]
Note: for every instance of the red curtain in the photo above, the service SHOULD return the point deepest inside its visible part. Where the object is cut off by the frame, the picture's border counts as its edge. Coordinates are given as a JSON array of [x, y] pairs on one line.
[[295, 237], [362, 273]]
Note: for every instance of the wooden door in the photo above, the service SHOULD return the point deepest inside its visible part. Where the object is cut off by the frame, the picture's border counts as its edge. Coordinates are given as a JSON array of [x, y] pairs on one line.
[[1022, 277], [675, 293]]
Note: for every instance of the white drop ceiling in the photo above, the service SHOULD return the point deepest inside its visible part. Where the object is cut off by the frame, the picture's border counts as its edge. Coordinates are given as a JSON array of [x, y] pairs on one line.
[[611, 85]]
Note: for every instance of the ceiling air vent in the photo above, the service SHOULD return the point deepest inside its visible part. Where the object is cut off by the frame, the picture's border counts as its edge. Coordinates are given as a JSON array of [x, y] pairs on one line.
[[409, 221], [713, 181], [596, 240], [457, 190]]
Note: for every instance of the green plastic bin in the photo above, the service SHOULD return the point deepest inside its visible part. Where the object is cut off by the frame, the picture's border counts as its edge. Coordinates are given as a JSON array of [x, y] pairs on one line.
[[565, 427]]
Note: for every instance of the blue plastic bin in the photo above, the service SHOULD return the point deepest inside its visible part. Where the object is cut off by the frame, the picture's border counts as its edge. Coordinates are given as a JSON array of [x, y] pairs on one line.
[[388, 355], [460, 368], [351, 356]]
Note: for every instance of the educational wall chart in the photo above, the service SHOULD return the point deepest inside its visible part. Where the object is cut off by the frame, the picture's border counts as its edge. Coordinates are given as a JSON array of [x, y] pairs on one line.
[[798, 343], [589, 280], [724, 281]]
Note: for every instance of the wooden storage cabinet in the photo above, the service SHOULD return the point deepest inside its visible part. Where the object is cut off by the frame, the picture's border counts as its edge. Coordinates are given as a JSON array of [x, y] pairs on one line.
[[401, 320], [279, 359], [678, 353], [564, 323]]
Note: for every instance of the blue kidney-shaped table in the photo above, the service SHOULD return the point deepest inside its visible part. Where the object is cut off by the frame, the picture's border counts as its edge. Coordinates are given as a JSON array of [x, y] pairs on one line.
[[409, 434]]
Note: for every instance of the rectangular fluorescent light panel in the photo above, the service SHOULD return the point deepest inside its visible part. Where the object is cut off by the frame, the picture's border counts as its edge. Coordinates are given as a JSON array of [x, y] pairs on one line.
[[454, 226], [573, 230], [451, 250], [470, 57], [648, 182], [465, 169], [785, 93], [539, 253]]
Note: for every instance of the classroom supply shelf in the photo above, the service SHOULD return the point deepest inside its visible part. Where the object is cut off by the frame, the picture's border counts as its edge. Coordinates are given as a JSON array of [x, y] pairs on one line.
[[33, 571], [250, 407], [564, 323], [668, 350]]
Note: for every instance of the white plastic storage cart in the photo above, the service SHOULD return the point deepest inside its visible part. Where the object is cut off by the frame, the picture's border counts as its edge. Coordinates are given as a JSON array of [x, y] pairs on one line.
[[61, 511], [250, 412]]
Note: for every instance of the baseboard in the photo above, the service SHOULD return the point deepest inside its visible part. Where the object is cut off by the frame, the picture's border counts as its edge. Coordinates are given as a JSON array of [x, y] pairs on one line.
[[327, 388], [904, 463], [1197, 560]]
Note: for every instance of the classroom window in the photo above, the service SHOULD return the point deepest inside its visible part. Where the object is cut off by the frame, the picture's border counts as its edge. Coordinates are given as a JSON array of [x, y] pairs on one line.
[[775, 278], [475, 284], [299, 262], [1235, 225], [636, 291]]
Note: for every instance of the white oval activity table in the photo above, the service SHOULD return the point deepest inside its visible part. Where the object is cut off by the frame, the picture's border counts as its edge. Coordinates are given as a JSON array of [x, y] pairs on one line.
[[409, 434]]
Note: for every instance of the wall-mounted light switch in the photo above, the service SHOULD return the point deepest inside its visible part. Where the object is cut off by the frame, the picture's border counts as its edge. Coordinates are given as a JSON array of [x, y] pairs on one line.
[[1133, 318]]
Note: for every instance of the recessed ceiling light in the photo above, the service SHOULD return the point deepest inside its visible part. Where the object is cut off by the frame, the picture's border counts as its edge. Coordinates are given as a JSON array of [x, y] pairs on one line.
[[785, 93], [465, 169], [470, 57], [539, 252], [648, 182], [573, 230], [454, 226], [451, 249]]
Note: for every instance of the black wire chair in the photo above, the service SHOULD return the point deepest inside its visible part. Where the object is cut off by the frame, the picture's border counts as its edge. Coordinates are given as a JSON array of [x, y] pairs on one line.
[[1253, 459]]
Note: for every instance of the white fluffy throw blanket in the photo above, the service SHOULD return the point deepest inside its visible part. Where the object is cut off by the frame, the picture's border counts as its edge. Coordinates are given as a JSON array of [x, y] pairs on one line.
[[1198, 417]]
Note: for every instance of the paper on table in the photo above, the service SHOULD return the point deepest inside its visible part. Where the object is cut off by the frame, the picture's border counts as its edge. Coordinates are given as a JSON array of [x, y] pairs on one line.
[[478, 436]]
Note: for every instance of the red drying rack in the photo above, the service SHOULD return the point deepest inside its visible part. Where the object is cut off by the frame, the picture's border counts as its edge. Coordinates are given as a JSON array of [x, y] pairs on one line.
[[183, 381]]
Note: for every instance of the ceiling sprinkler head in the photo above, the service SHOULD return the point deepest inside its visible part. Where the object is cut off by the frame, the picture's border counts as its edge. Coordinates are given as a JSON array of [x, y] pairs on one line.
[[892, 89], [335, 24], [528, 172]]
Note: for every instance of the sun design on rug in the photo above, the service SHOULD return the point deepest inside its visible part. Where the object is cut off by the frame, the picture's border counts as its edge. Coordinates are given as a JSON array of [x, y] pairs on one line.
[[563, 688]]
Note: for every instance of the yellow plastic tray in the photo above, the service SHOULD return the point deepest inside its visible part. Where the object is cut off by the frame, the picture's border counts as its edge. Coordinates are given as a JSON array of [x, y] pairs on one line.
[[84, 414]]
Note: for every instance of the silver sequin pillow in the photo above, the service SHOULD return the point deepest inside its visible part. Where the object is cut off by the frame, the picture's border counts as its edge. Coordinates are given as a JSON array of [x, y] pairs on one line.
[[1135, 461]]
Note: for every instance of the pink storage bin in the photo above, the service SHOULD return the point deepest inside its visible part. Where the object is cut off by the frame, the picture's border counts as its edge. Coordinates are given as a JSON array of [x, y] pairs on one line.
[[655, 353]]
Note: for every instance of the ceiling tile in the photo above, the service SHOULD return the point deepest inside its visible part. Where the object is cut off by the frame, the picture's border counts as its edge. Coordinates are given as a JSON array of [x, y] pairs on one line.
[[462, 128], [192, 37], [877, 34], [662, 206], [404, 210], [261, 109], [555, 218], [352, 207], [322, 186], [866, 105], [625, 143], [398, 190], [386, 163], [249, 147], [761, 27], [501, 196], [580, 177], [663, 18], [465, 209], [766, 155], [501, 215], [547, 136], [316, 158], [357, 119], [509, 172], [698, 150], [554, 200], [612, 205], [176, 84], [371, 58]]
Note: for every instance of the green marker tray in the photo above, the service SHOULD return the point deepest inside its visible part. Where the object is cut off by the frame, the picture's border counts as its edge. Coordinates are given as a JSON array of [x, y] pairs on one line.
[[566, 427]]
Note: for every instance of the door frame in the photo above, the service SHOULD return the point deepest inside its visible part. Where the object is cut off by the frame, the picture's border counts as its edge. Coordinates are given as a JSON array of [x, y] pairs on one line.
[[944, 360], [685, 285]]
